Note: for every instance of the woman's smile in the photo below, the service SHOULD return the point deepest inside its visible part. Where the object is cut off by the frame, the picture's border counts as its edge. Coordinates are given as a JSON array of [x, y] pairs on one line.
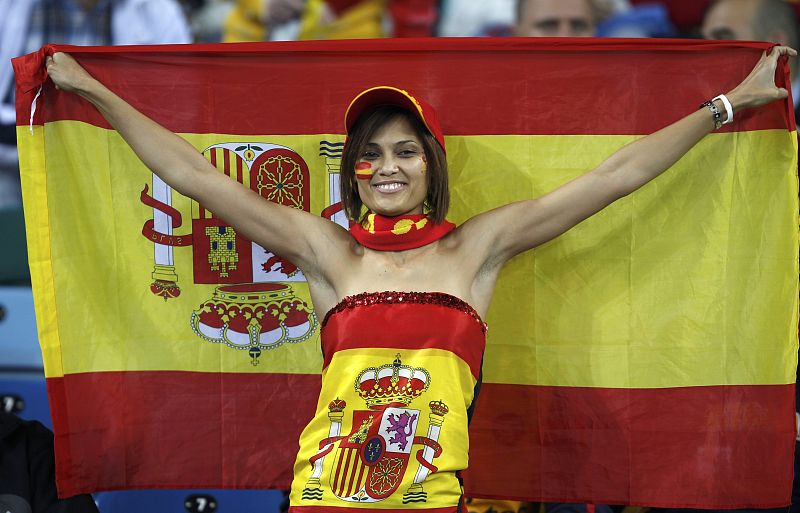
[[389, 187]]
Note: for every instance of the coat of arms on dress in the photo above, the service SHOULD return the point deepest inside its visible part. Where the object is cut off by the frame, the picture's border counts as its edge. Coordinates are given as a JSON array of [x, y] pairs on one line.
[[255, 305], [368, 463]]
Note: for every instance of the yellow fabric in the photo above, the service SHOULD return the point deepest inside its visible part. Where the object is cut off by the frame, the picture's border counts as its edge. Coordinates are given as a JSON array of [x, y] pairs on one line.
[[245, 22], [442, 487], [681, 284], [34, 186], [364, 20]]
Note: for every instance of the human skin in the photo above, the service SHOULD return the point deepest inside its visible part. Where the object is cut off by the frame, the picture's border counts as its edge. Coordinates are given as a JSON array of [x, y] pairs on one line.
[[398, 185], [467, 261], [731, 19], [736, 20], [555, 18]]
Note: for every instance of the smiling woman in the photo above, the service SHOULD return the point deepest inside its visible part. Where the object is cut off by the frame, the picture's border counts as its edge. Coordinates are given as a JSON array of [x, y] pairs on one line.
[[403, 292]]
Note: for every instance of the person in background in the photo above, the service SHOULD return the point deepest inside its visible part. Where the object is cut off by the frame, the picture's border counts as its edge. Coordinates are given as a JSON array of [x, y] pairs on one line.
[[756, 20], [556, 18], [27, 471], [26, 25]]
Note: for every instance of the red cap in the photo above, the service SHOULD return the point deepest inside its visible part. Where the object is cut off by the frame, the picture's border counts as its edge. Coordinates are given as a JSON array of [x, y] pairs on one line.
[[387, 95]]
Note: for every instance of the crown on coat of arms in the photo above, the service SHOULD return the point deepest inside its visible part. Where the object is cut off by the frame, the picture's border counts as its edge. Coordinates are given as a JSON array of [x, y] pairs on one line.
[[337, 405], [392, 383]]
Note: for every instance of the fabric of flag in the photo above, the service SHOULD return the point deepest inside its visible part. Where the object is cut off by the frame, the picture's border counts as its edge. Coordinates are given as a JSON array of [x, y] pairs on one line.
[[645, 357]]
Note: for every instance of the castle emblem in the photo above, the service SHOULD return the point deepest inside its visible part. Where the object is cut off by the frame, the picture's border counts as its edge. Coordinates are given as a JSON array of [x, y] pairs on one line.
[[368, 464], [254, 306]]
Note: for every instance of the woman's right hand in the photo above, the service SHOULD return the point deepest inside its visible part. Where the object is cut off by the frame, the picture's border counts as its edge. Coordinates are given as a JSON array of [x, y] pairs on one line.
[[66, 73]]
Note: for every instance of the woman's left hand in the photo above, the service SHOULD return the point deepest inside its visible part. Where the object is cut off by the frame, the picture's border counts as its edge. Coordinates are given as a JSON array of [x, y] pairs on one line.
[[759, 87]]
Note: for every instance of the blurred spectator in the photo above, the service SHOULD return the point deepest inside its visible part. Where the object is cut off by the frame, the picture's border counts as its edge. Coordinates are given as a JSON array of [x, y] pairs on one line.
[[27, 471], [28, 24], [556, 18], [275, 20], [586, 18], [756, 20]]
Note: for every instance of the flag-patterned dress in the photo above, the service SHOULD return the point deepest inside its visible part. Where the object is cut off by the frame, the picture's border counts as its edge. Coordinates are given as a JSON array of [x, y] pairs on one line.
[[400, 376]]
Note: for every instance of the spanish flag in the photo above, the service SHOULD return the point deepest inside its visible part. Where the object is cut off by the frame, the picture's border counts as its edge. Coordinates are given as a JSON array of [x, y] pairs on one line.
[[645, 357]]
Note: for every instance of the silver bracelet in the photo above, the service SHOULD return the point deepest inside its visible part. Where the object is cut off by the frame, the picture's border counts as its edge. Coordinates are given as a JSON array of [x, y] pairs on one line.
[[715, 111]]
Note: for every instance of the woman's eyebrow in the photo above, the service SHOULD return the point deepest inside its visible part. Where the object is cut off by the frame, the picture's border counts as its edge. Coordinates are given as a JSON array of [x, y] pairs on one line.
[[398, 143]]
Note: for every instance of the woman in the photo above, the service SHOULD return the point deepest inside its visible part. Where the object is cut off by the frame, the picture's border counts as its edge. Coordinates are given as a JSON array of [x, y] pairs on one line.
[[407, 363]]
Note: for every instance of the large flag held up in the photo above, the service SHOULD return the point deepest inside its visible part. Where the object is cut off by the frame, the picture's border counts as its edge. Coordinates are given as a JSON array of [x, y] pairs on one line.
[[645, 357]]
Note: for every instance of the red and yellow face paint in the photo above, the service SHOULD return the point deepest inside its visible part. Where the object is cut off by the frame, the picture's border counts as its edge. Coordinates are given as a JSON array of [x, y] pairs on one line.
[[364, 170]]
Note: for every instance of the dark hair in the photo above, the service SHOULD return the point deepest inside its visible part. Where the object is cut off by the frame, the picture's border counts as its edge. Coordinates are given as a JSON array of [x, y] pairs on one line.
[[437, 201]]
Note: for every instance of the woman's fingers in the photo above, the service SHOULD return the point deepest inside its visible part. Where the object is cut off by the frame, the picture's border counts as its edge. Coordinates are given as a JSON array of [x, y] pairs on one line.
[[783, 50]]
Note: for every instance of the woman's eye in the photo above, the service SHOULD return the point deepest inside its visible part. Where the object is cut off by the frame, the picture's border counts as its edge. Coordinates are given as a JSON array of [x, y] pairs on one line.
[[369, 155], [408, 153]]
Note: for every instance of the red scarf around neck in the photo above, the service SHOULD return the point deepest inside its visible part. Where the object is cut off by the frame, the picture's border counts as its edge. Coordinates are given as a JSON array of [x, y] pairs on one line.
[[398, 233]]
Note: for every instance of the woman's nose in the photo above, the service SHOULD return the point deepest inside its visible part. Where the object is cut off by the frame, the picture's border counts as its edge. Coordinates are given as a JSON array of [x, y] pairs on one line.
[[388, 166]]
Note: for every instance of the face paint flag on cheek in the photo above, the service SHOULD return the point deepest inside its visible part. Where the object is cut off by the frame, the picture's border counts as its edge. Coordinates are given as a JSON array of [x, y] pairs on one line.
[[364, 171]]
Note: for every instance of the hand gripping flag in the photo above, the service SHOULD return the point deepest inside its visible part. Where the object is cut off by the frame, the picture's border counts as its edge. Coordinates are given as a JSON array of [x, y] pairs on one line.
[[645, 357]]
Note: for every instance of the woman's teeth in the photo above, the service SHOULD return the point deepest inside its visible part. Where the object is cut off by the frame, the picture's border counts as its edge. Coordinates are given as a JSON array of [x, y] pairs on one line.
[[388, 187]]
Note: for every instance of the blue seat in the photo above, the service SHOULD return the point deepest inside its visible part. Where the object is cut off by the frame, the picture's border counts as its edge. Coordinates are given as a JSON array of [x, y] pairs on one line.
[[19, 343], [25, 394], [189, 501]]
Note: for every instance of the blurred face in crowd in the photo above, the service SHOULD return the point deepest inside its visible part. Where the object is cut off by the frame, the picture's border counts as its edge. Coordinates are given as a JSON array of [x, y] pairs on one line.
[[731, 19], [555, 18]]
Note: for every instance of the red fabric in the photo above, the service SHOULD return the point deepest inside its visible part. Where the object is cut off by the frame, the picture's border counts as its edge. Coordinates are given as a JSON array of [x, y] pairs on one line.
[[383, 238], [208, 96], [534, 443], [213, 429], [413, 332], [640, 447]]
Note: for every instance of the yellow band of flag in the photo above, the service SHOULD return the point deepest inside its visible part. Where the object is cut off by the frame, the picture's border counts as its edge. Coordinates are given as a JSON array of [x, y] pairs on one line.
[[612, 303]]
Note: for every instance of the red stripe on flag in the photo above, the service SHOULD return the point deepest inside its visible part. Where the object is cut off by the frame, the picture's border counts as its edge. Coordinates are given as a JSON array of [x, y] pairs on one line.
[[676, 447], [345, 330], [681, 447], [538, 85], [205, 430]]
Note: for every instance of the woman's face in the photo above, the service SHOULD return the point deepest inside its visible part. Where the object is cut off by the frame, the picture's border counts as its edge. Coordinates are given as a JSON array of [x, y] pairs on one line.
[[391, 170]]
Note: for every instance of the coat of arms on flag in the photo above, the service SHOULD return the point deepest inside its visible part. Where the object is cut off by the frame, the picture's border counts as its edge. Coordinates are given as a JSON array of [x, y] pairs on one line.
[[254, 306], [368, 464]]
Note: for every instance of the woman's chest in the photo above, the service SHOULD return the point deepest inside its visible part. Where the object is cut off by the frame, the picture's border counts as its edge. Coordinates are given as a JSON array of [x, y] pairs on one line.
[[429, 271]]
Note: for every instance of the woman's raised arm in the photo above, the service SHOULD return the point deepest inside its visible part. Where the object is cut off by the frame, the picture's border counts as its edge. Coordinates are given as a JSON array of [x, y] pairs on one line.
[[499, 234], [291, 233]]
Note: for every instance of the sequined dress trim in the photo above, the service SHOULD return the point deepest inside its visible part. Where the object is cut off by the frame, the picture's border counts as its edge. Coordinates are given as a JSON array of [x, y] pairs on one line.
[[389, 297]]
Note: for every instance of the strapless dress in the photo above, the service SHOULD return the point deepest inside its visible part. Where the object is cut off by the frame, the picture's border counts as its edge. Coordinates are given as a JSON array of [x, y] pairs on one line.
[[400, 376]]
